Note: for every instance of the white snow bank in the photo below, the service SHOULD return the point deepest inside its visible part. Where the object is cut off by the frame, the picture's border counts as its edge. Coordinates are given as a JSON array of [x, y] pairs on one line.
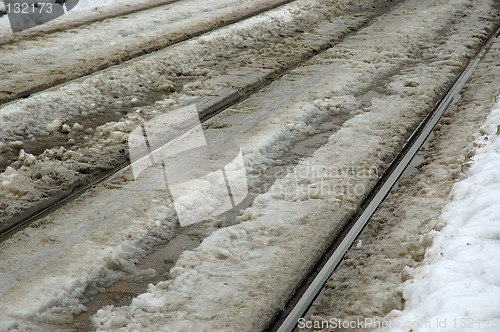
[[459, 288]]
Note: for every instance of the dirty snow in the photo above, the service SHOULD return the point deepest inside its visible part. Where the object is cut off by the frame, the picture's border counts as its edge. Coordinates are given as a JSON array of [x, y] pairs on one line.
[[253, 266], [393, 244], [51, 303], [211, 286], [67, 54], [458, 287], [108, 92]]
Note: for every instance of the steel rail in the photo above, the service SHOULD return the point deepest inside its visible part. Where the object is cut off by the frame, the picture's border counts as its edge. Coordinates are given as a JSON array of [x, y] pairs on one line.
[[382, 189]]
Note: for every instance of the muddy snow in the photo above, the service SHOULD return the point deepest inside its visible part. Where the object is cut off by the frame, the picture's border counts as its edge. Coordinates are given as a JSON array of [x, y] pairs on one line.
[[146, 88], [242, 272], [390, 277]]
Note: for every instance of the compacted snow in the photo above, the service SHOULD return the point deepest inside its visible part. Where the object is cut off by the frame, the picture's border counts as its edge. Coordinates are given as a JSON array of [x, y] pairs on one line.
[[458, 287], [262, 250], [372, 279], [88, 237], [241, 274], [236, 56]]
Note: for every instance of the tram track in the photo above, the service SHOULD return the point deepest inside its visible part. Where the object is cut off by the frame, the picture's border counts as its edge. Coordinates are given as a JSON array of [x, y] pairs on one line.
[[94, 17], [240, 99], [312, 285], [208, 106]]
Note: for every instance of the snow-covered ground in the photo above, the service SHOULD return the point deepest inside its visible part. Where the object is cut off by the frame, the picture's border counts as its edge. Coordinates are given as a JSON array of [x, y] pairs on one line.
[[175, 76], [66, 54], [458, 287], [385, 276], [137, 229], [244, 270], [221, 255]]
